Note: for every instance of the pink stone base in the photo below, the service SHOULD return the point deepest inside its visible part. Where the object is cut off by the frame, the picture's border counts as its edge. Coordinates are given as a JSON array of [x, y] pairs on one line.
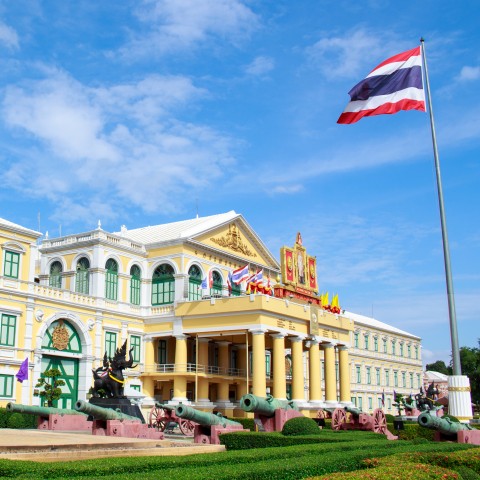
[[64, 422], [125, 428], [276, 423], [209, 435], [469, 436]]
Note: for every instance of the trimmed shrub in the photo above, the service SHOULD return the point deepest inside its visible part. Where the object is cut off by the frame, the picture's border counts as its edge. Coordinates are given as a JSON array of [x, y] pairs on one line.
[[20, 420], [248, 423], [300, 426], [390, 418], [16, 420]]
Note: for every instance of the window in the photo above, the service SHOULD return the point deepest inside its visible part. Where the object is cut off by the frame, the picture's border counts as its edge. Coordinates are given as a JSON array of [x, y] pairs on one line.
[[194, 283], [389, 403], [384, 345], [111, 279], [135, 387], [369, 376], [162, 351], [55, 279], [409, 351], [360, 403], [370, 403], [81, 279], [355, 340], [393, 347], [135, 283], [418, 380], [366, 342], [378, 376], [217, 285], [135, 344], [416, 352], [163, 285], [375, 344], [7, 330], [354, 400], [268, 364], [411, 381], [12, 263], [110, 343], [359, 374], [401, 349], [395, 378], [380, 404], [6, 386], [387, 378], [404, 379]]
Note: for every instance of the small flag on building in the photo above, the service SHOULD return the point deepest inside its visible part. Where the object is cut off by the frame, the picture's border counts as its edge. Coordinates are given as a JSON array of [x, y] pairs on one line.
[[396, 84], [383, 398], [240, 274], [22, 373]]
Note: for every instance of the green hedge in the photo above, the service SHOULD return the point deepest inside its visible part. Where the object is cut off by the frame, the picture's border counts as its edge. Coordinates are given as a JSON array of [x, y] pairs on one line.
[[268, 463], [248, 423], [16, 420]]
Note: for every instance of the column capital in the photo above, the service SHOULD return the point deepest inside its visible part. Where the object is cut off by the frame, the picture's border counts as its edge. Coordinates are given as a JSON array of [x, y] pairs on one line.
[[258, 331], [326, 345], [223, 343], [203, 339], [343, 348], [181, 336], [278, 335], [298, 338]]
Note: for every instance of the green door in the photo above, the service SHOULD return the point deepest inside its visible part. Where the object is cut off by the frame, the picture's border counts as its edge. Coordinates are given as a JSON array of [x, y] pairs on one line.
[[69, 369]]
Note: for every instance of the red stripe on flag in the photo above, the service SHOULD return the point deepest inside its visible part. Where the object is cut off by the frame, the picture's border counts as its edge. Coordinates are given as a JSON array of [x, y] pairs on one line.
[[386, 108], [400, 57]]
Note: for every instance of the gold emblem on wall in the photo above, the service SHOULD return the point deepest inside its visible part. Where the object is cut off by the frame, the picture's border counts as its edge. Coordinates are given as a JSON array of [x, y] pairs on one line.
[[233, 241], [60, 336], [314, 321]]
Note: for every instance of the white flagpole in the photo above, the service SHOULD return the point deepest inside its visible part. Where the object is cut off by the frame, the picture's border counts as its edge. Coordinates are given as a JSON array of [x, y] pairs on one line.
[[457, 369]]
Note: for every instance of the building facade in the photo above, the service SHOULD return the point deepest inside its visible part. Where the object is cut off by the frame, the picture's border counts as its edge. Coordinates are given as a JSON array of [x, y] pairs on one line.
[[196, 336]]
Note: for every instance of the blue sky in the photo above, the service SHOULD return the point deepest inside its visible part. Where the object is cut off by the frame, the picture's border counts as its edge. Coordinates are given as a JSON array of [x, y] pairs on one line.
[[139, 112]]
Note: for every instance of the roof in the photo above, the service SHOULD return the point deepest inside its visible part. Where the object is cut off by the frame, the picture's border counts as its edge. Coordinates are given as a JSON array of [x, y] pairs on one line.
[[177, 230], [189, 229], [373, 323], [18, 228], [432, 376]]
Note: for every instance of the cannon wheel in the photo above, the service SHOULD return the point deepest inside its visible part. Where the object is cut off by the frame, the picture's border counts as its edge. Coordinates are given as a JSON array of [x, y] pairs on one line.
[[379, 421], [157, 418], [186, 427], [339, 417]]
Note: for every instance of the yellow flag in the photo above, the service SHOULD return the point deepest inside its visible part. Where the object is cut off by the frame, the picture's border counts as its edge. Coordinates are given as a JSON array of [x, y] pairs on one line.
[[335, 301]]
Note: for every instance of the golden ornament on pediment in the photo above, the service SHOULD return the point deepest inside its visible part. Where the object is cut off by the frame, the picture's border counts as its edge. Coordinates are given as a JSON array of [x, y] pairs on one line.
[[290, 264], [60, 337], [312, 271], [233, 240]]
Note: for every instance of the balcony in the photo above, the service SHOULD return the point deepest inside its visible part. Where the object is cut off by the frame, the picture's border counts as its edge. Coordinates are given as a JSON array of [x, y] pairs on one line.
[[193, 369]]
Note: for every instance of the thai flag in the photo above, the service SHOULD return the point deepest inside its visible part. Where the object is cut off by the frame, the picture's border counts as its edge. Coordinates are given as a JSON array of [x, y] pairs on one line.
[[229, 283], [396, 84], [240, 274], [256, 277], [383, 398], [205, 283]]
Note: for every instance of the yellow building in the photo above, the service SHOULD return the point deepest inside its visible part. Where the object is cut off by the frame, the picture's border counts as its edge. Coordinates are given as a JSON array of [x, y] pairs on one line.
[[196, 336]]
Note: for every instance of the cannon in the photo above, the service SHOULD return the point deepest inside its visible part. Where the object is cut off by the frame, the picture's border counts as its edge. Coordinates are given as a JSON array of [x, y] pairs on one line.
[[270, 413], [208, 425], [163, 416], [445, 429], [50, 418], [107, 421], [352, 418]]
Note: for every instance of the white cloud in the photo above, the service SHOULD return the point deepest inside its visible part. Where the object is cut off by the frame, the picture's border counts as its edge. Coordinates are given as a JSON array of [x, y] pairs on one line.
[[178, 25], [352, 54], [8, 36], [111, 145], [260, 66], [468, 74], [287, 189]]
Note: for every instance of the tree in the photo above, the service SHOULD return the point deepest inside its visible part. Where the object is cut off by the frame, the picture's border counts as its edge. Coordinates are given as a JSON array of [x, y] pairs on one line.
[[438, 366], [51, 384], [470, 362]]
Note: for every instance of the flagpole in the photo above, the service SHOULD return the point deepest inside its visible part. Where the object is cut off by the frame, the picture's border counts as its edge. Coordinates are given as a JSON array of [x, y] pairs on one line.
[[457, 369]]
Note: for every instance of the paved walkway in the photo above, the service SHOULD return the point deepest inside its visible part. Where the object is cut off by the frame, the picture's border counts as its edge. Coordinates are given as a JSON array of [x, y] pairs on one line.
[[51, 446]]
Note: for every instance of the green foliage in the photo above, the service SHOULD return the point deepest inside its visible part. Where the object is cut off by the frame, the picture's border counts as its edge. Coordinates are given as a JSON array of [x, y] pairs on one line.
[[390, 418], [439, 366], [412, 431], [20, 420], [50, 383], [300, 426], [247, 423]]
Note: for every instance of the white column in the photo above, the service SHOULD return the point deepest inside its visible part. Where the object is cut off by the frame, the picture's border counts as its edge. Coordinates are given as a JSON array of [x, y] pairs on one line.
[[459, 398]]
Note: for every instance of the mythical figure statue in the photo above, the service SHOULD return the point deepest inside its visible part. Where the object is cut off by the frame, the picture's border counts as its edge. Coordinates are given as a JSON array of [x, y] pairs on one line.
[[108, 379]]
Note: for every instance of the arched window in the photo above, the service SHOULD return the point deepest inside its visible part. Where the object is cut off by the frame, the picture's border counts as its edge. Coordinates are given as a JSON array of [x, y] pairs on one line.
[[235, 289], [135, 283], [82, 278], [163, 285], [217, 284], [111, 279], [56, 275], [194, 283]]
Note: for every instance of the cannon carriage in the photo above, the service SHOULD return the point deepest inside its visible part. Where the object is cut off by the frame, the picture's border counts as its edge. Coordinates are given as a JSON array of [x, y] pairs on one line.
[[163, 417], [351, 418]]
